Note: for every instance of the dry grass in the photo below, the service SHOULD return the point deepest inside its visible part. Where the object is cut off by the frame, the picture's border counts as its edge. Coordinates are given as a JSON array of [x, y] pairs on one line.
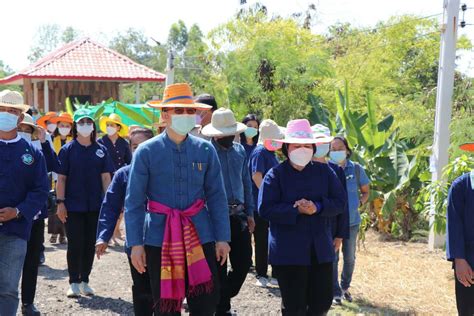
[[401, 278]]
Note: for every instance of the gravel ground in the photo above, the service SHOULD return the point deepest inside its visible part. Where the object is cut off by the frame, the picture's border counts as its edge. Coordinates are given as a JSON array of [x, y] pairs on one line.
[[390, 278]]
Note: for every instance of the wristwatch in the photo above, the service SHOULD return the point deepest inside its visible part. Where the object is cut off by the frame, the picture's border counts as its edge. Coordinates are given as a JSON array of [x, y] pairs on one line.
[[18, 214], [60, 201]]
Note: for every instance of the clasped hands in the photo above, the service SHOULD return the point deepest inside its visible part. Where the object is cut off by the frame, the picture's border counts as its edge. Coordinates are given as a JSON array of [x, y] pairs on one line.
[[306, 207]]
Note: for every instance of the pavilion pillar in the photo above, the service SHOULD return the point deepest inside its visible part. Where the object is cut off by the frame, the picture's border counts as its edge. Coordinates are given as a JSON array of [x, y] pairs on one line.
[[137, 92], [28, 95], [46, 97], [35, 95]]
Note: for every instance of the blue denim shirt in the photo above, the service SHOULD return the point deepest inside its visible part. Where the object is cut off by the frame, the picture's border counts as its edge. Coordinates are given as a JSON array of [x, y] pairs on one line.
[[353, 188], [235, 171], [176, 176]]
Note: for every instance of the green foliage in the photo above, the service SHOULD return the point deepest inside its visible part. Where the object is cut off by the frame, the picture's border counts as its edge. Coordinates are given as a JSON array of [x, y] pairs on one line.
[[49, 37], [434, 195]]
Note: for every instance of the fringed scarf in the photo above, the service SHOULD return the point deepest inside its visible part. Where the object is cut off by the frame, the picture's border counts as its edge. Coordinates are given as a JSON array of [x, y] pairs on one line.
[[181, 250]]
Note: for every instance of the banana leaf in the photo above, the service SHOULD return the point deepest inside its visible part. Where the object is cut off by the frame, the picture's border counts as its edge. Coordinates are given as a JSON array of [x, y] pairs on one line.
[[98, 113], [133, 115], [69, 107]]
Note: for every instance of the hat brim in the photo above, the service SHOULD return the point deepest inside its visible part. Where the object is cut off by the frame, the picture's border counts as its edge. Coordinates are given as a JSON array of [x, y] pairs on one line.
[[42, 120], [23, 107], [83, 117], [63, 119], [276, 144], [211, 131], [103, 126], [324, 140], [35, 127], [159, 105], [467, 147]]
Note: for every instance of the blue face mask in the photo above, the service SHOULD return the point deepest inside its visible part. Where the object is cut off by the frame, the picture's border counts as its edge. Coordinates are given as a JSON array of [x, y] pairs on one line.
[[8, 121], [183, 124], [338, 156], [321, 150], [251, 132]]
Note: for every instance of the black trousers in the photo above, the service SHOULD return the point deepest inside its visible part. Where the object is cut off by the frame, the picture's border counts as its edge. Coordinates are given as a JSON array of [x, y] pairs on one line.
[[240, 260], [305, 290], [202, 305], [81, 229], [464, 298], [31, 265], [261, 246], [141, 292]]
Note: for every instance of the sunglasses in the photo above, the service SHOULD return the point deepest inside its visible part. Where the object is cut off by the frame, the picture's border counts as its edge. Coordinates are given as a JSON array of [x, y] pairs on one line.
[[180, 111]]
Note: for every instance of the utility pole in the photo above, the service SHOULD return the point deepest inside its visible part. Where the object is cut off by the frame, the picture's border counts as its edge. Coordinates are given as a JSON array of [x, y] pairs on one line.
[[170, 68], [440, 155]]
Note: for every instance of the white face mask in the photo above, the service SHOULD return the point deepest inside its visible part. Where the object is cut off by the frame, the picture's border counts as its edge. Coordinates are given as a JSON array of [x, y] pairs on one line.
[[301, 156], [85, 130], [64, 131], [51, 127], [8, 121], [25, 136], [111, 130]]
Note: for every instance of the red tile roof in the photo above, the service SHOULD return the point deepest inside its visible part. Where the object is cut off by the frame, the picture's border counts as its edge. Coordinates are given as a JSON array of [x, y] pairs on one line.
[[85, 60]]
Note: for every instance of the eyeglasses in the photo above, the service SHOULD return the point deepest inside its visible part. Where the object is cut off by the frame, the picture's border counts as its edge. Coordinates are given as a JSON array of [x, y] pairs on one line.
[[180, 111], [85, 123]]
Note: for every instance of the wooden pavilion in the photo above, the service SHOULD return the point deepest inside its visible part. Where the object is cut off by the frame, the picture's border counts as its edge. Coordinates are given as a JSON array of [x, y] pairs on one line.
[[83, 69]]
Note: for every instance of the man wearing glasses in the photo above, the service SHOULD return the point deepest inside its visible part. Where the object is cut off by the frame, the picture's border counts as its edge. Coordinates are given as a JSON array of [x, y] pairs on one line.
[[176, 213]]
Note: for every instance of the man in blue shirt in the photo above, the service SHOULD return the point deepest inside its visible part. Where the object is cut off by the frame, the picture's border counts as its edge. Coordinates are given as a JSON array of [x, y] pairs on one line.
[[460, 237], [176, 169], [233, 158], [109, 214], [23, 192]]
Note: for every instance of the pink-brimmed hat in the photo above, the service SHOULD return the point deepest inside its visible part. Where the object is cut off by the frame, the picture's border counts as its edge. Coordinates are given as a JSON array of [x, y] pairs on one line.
[[297, 132]]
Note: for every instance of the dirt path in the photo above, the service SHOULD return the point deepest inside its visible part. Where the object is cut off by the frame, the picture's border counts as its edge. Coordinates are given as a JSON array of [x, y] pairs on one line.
[[390, 278]]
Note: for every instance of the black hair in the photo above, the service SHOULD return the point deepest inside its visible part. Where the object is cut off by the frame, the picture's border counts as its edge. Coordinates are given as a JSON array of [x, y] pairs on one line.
[[148, 133], [93, 135], [346, 144], [284, 150], [207, 99], [246, 119]]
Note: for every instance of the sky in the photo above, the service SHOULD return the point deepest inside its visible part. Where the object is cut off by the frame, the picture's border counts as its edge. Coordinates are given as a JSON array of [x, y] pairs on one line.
[[103, 19]]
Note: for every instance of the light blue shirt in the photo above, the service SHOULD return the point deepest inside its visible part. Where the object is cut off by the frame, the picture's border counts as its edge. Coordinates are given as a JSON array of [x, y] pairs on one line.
[[176, 176], [235, 171], [353, 193]]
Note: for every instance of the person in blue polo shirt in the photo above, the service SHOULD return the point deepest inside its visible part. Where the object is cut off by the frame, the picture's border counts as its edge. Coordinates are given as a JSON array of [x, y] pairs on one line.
[[297, 197], [260, 162], [460, 237], [109, 214], [83, 178], [238, 187], [23, 193], [357, 187]]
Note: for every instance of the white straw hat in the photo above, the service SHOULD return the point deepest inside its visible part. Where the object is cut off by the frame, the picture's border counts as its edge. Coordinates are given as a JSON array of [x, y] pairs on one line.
[[223, 123], [322, 134], [13, 99], [269, 130]]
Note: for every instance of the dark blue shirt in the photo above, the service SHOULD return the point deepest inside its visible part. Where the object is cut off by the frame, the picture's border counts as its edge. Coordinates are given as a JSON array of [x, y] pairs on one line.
[[460, 220], [119, 152], [248, 149], [340, 223], [52, 165], [292, 235], [261, 160], [24, 185], [83, 166], [112, 205], [235, 171]]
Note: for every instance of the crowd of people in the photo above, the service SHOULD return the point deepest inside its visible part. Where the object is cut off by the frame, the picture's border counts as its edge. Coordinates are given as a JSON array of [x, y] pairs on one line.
[[192, 194]]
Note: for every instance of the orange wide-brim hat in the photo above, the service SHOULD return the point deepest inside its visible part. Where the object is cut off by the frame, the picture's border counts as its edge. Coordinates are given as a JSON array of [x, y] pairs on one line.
[[178, 95], [47, 117], [63, 117], [467, 147]]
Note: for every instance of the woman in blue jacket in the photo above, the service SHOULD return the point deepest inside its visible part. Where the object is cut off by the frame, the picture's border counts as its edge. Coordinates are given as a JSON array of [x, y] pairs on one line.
[[296, 198]]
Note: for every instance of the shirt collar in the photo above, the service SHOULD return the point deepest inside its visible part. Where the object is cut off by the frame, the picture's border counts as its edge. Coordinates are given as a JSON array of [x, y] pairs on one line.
[[172, 144], [349, 164], [11, 141]]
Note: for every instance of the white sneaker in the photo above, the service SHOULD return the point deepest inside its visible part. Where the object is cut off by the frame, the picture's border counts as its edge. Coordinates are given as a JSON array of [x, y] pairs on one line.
[[273, 282], [86, 289], [261, 282], [74, 291]]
